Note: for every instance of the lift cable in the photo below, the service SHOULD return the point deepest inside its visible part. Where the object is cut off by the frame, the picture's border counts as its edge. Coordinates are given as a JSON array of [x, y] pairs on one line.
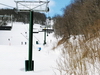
[[36, 38], [6, 5]]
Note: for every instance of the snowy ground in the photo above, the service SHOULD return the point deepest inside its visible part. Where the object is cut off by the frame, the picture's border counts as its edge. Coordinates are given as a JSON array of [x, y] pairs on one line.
[[12, 56]]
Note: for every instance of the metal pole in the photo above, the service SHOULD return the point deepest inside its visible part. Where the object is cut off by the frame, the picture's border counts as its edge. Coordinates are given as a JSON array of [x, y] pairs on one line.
[[47, 30], [45, 36], [30, 40], [29, 63]]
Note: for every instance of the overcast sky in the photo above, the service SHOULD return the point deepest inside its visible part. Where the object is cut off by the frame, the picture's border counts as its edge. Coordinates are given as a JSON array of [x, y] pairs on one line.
[[56, 6]]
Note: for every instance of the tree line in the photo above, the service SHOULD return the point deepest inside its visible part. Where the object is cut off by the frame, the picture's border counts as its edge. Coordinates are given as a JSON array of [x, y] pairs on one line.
[[24, 17], [79, 18], [81, 22]]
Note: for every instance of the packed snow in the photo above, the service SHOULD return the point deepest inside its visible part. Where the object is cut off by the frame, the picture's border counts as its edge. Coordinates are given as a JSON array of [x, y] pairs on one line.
[[14, 52]]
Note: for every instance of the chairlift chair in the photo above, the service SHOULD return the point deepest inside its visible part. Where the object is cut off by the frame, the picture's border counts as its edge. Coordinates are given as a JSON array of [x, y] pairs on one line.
[[4, 19]]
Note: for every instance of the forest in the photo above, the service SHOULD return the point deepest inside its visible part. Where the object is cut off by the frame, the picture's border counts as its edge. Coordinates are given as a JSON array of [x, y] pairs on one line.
[[24, 17], [78, 17], [78, 31]]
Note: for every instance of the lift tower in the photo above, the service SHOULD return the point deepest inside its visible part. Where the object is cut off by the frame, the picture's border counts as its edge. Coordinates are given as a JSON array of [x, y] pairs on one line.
[[31, 6]]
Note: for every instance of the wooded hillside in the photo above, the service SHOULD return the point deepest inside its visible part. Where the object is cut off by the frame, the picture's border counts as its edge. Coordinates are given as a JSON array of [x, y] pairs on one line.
[[23, 16], [79, 31], [79, 17]]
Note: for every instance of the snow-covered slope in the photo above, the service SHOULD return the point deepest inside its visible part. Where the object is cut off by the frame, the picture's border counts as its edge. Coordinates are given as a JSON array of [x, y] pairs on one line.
[[18, 35], [13, 52]]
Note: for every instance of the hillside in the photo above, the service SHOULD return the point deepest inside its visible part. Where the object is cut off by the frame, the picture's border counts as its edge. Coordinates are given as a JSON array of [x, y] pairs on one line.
[[14, 52], [39, 18], [79, 32]]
